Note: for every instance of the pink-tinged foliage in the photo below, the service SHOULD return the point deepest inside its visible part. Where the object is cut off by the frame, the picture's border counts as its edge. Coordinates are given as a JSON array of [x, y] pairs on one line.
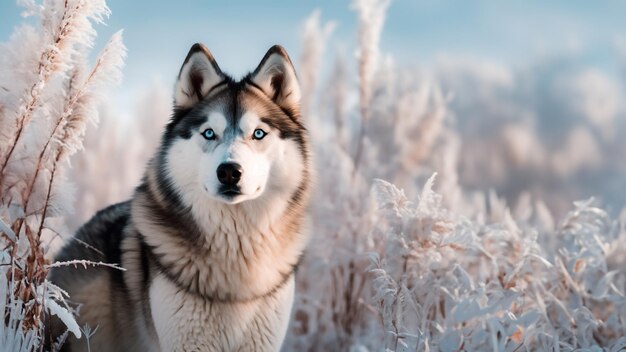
[[49, 94]]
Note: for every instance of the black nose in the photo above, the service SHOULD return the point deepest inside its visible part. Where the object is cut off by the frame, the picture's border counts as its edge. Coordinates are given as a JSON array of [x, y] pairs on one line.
[[229, 174]]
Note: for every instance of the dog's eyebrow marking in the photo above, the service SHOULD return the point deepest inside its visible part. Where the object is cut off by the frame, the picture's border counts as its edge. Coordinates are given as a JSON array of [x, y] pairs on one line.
[[217, 121]]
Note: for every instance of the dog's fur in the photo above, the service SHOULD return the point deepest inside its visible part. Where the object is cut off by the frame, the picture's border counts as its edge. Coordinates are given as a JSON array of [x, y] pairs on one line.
[[208, 266]]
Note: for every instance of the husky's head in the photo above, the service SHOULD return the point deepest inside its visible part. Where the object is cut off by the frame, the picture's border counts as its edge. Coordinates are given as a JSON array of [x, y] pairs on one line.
[[234, 141]]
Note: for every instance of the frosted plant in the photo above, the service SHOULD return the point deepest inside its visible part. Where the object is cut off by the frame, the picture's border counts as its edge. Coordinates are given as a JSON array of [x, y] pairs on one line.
[[336, 101], [446, 283], [121, 157], [314, 36], [65, 29], [458, 272], [333, 309], [371, 14], [49, 94]]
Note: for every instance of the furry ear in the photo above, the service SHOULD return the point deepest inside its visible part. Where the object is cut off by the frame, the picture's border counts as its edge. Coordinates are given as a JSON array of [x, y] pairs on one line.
[[197, 76], [276, 76]]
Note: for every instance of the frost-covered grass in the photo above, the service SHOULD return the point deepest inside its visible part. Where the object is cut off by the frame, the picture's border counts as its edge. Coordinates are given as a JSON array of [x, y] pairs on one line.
[[449, 283], [413, 262], [454, 269], [48, 95]]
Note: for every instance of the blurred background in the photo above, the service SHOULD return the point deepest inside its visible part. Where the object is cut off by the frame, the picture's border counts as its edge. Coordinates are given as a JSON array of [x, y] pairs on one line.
[[535, 90]]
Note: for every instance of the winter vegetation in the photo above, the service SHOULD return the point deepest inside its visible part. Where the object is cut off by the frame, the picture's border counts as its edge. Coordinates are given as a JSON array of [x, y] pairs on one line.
[[443, 217], [49, 93], [436, 265]]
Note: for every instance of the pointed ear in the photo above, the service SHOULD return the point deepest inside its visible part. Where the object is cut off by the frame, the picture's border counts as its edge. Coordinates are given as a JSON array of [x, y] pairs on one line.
[[276, 76], [197, 76]]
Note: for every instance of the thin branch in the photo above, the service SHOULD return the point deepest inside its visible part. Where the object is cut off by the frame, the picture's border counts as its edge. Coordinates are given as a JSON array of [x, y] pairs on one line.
[[46, 62], [84, 263]]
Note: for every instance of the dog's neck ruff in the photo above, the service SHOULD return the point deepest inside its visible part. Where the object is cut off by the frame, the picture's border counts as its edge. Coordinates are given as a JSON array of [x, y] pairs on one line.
[[221, 252]]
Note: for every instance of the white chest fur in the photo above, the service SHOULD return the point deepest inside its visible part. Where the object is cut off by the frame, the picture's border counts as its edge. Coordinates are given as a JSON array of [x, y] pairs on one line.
[[186, 322]]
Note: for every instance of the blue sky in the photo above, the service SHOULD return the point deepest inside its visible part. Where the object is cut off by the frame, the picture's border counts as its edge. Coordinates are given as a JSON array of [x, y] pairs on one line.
[[158, 34]]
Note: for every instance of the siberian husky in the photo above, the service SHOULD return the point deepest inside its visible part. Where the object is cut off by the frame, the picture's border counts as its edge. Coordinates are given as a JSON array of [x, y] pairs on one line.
[[212, 235]]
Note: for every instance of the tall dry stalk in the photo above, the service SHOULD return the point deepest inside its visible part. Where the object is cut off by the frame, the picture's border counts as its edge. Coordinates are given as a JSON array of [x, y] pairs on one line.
[[334, 308], [51, 97], [371, 15], [62, 34], [314, 36]]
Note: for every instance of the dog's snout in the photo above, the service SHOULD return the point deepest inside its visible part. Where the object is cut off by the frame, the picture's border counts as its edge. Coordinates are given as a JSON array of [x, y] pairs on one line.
[[229, 174]]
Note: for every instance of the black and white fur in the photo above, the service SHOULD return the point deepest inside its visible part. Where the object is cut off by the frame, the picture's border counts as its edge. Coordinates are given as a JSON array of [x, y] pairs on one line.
[[212, 236]]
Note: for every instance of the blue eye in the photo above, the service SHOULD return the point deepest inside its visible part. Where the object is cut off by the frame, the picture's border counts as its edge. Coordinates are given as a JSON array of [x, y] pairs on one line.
[[259, 134], [209, 134]]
